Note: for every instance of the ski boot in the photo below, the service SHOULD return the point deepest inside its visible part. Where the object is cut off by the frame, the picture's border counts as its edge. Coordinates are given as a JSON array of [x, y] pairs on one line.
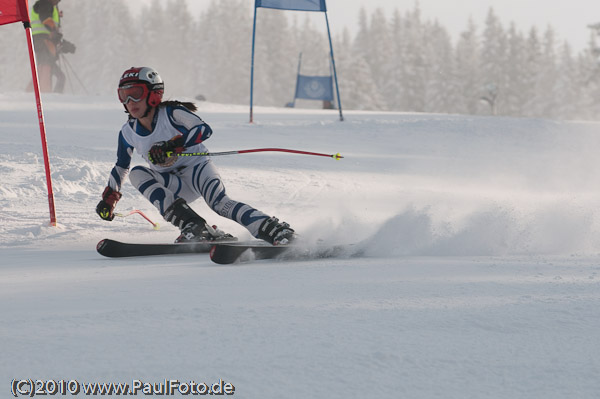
[[193, 227], [275, 233]]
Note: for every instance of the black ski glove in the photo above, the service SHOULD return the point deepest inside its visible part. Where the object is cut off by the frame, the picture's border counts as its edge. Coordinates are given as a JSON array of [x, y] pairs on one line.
[[106, 207], [158, 154]]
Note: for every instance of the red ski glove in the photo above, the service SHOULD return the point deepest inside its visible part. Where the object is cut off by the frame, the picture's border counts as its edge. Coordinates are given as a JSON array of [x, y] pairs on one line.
[[106, 207]]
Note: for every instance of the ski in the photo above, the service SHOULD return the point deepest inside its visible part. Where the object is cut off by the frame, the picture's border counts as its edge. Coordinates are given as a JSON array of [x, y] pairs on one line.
[[241, 252], [116, 249]]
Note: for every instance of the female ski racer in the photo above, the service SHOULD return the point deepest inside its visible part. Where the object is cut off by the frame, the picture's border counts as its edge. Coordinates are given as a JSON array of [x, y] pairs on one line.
[[157, 129]]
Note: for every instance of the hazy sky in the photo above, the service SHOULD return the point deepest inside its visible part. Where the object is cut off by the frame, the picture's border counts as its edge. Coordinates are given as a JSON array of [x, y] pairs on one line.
[[569, 17]]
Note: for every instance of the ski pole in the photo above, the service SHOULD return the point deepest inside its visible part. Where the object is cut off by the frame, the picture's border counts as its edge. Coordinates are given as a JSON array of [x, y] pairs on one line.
[[68, 64], [124, 215], [337, 156]]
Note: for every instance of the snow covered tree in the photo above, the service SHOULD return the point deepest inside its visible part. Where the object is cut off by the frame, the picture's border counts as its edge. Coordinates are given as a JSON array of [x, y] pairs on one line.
[[343, 48], [107, 43], [493, 56], [378, 54], [153, 23], [360, 92], [358, 88], [393, 61], [393, 90], [467, 70], [588, 66], [567, 88], [440, 89], [515, 97], [314, 46], [177, 39], [547, 76], [222, 49], [362, 40], [533, 64], [275, 63], [415, 64]]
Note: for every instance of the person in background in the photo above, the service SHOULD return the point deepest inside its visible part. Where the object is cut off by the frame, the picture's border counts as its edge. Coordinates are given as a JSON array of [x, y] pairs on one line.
[[159, 131], [48, 44]]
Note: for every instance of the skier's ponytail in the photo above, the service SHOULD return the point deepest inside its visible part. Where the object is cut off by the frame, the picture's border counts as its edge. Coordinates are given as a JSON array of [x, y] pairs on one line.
[[174, 103]]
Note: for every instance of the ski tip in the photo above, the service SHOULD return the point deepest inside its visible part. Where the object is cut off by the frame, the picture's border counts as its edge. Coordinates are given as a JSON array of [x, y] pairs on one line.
[[101, 245], [216, 255], [106, 247], [227, 253], [212, 250]]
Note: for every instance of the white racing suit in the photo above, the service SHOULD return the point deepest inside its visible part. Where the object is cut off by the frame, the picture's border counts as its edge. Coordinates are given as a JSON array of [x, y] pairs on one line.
[[188, 177]]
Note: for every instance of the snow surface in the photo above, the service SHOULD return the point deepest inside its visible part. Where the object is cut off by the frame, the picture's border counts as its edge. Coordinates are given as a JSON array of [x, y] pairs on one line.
[[480, 277]]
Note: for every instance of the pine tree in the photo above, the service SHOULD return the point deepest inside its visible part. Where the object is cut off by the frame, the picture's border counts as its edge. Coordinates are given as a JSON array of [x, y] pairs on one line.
[[493, 56], [547, 77], [150, 40], [440, 91], [567, 90], [379, 56], [237, 52], [106, 45], [515, 97], [176, 40], [343, 48], [362, 40], [415, 64], [275, 64], [395, 62], [361, 92], [222, 52], [393, 91], [532, 66], [588, 68], [467, 70]]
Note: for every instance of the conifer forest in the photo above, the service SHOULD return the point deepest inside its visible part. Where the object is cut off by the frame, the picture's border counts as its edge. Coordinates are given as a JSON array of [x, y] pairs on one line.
[[388, 61]]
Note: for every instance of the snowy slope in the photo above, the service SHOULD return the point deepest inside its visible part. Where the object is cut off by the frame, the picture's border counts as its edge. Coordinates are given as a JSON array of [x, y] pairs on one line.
[[480, 277]]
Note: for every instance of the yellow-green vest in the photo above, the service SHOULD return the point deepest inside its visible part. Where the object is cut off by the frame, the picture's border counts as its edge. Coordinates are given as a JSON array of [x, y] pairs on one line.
[[37, 27]]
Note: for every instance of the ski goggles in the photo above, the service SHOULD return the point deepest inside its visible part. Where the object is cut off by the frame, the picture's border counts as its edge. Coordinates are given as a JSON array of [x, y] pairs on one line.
[[134, 92]]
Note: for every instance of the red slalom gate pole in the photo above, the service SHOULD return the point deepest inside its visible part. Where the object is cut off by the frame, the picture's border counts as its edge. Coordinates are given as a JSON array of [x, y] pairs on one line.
[[36, 87]]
